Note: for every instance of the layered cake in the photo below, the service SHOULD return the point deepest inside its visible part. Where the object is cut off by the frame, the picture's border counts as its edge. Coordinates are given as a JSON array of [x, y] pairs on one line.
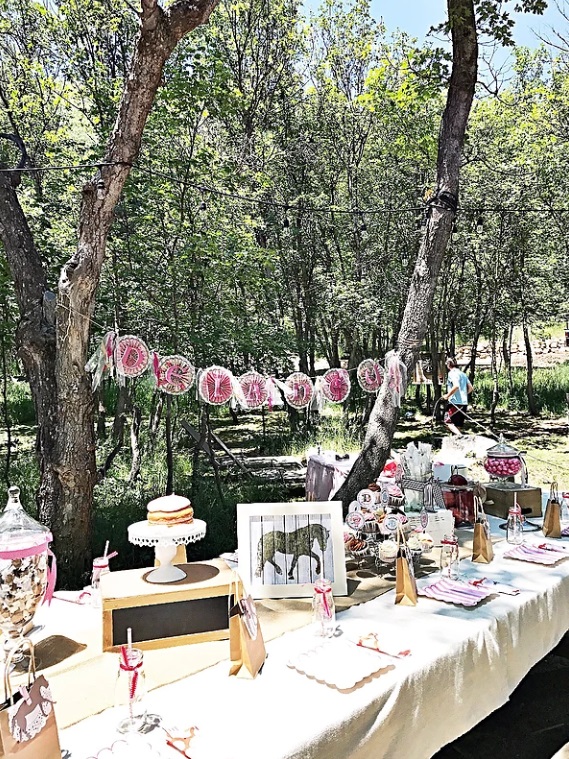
[[169, 510]]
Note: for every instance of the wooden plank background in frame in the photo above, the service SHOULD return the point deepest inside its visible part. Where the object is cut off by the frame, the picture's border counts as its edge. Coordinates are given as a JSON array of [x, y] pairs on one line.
[[304, 540]]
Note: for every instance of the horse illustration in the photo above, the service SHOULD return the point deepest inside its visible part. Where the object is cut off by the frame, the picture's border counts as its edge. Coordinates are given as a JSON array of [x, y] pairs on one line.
[[298, 543]]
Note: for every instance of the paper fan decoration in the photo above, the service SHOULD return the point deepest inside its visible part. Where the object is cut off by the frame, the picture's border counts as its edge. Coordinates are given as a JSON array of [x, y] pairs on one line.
[[254, 387], [301, 390], [215, 385], [370, 375], [132, 356], [175, 375], [336, 385]]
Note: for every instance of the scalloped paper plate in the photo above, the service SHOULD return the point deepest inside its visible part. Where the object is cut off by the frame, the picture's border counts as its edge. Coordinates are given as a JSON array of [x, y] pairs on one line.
[[339, 663], [456, 592], [537, 555]]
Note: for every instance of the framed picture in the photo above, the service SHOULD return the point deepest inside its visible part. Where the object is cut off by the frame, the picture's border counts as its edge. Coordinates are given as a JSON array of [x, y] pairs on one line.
[[283, 548]]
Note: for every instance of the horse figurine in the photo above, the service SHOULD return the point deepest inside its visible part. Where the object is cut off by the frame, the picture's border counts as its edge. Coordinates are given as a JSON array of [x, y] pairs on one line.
[[298, 543]]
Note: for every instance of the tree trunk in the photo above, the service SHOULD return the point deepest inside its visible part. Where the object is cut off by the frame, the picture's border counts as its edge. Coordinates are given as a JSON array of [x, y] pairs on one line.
[[507, 356], [441, 213], [6, 413], [532, 404], [135, 445], [494, 371], [54, 355]]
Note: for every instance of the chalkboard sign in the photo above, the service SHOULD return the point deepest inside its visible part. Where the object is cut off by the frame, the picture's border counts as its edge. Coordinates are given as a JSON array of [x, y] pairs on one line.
[[166, 615]]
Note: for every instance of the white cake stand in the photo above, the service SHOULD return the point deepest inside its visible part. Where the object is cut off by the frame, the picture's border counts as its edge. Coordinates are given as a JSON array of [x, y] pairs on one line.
[[165, 541]]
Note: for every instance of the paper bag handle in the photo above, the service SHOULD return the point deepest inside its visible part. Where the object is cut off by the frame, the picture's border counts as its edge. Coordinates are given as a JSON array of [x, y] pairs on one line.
[[25, 643], [400, 534], [235, 580], [479, 509], [553, 492]]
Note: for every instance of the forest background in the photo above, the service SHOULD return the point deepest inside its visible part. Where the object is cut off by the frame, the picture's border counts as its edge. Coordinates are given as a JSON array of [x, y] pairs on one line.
[[272, 221]]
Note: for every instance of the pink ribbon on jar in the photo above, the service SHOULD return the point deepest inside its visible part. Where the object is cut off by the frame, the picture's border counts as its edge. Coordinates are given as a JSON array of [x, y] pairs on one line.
[[25, 553]]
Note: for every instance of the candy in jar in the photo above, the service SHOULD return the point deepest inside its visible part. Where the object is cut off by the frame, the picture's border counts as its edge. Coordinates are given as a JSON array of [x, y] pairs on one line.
[[25, 576]]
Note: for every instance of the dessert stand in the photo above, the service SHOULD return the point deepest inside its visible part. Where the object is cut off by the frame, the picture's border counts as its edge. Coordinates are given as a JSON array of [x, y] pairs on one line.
[[165, 541]]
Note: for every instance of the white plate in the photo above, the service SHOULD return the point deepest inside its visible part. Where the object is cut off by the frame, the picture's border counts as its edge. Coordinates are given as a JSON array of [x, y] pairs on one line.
[[339, 663]]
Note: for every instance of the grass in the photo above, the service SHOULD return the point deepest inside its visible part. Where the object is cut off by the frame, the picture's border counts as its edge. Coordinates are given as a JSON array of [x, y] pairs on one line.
[[551, 385]]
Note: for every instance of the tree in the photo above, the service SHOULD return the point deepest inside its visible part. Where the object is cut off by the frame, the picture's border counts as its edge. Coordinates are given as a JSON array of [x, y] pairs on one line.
[[53, 344], [441, 210]]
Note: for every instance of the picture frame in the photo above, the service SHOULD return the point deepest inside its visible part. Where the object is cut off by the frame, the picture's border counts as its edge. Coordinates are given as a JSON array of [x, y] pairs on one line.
[[304, 540]]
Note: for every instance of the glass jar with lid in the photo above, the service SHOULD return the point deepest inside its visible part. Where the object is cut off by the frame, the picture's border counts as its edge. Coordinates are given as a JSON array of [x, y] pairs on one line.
[[503, 461], [24, 570]]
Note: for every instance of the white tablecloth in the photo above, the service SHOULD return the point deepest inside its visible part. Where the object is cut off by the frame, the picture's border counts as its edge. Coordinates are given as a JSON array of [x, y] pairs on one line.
[[464, 664], [325, 474]]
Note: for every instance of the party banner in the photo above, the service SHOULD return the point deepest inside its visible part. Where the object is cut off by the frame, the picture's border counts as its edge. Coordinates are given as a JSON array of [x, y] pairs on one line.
[[128, 356]]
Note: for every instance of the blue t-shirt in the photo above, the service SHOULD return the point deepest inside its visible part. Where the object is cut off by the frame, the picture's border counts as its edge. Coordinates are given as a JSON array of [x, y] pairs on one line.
[[456, 377]]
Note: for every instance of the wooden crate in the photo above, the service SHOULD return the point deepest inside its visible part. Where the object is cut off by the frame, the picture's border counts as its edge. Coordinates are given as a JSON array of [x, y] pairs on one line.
[[503, 498], [166, 615]]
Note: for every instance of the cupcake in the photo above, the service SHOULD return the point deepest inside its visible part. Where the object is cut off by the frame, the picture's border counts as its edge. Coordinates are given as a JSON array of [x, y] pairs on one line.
[[414, 543], [356, 546], [388, 550]]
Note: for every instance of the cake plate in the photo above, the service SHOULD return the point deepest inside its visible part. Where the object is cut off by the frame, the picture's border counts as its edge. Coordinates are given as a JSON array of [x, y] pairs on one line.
[[165, 541]]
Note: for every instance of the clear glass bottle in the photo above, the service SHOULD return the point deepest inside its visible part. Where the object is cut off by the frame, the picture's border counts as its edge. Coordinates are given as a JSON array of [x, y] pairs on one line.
[[100, 567], [323, 608], [130, 691], [515, 525], [565, 507], [449, 557], [23, 568]]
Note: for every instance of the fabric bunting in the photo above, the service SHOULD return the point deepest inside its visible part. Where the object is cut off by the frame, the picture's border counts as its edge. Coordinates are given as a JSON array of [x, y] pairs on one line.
[[174, 374], [132, 357], [301, 390], [127, 356], [101, 361], [254, 390], [396, 376], [370, 375], [215, 385], [336, 385]]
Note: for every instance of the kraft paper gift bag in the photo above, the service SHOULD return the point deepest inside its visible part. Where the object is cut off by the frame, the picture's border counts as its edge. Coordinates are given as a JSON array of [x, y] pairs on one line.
[[405, 585], [27, 721], [482, 549], [552, 519], [246, 644]]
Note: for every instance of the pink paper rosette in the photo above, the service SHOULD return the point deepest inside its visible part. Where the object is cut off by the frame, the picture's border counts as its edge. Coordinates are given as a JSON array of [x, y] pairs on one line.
[[131, 355], [254, 387], [215, 385], [175, 375], [336, 385], [301, 390], [370, 375]]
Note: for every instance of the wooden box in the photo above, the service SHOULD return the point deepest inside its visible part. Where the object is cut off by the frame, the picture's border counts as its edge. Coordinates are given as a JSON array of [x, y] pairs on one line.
[[460, 500], [528, 497], [188, 611]]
